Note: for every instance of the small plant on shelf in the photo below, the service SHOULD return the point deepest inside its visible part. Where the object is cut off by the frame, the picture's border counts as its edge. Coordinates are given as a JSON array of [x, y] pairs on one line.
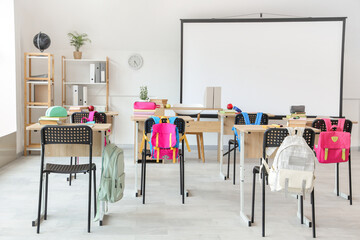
[[78, 40], [144, 93]]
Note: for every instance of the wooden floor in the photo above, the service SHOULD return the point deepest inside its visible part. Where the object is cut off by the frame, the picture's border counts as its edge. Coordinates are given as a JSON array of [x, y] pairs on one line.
[[211, 211]]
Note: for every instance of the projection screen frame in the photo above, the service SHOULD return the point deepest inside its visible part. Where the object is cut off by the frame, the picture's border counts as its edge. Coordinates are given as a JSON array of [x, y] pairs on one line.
[[252, 20]]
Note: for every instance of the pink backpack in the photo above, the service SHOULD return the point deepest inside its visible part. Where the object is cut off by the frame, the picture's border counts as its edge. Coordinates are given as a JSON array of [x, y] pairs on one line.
[[164, 141], [334, 144]]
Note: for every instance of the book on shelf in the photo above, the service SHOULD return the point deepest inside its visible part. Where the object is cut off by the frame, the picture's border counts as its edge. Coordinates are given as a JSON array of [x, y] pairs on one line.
[[78, 109], [228, 111], [103, 72], [44, 120]]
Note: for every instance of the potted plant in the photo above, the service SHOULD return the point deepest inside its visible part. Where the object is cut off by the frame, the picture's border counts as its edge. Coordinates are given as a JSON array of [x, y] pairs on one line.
[[144, 93], [78, 40]]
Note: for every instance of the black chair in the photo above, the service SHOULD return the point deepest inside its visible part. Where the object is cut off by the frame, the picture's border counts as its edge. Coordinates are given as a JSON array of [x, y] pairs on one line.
[[180, 124], [320, 124], [76, 117], [239, 120], [273, 137], [65, 135]]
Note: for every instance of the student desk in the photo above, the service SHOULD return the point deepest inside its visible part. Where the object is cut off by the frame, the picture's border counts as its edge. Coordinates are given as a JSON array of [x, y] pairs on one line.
[[69, 150], [246, 132]]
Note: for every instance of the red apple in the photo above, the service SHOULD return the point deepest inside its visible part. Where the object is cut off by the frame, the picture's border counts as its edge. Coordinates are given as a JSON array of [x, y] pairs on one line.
[[91, 108], [229, 106]]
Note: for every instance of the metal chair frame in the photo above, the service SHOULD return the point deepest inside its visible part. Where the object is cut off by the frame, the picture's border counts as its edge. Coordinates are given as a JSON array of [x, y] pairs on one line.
[[65, 135]]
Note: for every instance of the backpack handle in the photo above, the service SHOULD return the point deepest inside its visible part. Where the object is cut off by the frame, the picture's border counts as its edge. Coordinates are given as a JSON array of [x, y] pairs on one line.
[[339, 127]]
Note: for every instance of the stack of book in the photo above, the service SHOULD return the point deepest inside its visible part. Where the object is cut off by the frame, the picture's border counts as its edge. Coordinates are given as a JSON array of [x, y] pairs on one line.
[[228, 111], [78, 109], [144, 112], [52, 120]]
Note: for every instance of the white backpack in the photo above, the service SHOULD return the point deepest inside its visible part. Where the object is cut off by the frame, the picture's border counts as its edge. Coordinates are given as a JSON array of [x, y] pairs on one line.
[[293, 166]]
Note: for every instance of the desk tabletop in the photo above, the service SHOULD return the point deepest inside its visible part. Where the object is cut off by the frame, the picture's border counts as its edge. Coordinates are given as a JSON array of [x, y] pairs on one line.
[[193, 108], [143, 118], [260, 128], [234, 114], [110, 113], [95, 127]]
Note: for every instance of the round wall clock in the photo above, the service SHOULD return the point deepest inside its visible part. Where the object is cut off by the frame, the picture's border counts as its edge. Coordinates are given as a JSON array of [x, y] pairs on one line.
[[135, 61]]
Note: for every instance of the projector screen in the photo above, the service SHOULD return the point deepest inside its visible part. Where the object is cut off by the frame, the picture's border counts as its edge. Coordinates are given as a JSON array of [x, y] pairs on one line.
[[265, 65]]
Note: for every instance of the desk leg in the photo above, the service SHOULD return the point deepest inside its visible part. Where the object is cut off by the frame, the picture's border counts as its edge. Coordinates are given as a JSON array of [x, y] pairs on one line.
[[220, 147], [136, 147], [242, 179]]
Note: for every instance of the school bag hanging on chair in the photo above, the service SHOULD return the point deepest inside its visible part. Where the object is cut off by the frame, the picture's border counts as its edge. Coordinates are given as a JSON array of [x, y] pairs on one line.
[[164, 140], [293, 167], [334, 144], [112, 181]]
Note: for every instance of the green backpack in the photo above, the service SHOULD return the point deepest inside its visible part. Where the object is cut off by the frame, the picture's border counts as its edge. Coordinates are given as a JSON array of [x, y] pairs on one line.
[[112, 181]]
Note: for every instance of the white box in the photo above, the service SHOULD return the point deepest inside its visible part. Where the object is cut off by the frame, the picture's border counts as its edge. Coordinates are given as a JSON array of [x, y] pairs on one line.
[[217, 97], [75, 89], [209, 97]]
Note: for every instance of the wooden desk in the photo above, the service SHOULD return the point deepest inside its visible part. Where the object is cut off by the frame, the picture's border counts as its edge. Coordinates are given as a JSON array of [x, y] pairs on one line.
[[69, 150], [245, 133]]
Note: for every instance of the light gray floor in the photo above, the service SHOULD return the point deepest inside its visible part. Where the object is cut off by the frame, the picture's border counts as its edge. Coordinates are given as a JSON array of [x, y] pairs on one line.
[[211, 212]]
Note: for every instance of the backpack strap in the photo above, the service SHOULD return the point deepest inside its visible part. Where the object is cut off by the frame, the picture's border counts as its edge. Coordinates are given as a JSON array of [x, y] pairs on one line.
[[246, 118], [236, 136], [186, 142], [299, 131], [341, 124], [172, 120], [258, 118], [291, 131], [156, 119]]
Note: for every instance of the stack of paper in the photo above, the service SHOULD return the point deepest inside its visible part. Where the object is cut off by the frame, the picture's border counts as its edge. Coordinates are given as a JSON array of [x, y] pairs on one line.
[[143, 112], [52, 120]]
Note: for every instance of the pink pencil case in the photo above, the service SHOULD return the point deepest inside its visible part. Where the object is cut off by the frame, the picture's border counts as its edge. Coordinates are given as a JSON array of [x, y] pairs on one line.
[[145, 105]]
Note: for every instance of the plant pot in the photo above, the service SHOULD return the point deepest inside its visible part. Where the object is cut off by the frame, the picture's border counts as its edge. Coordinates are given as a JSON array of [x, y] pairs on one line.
[[77, 55]]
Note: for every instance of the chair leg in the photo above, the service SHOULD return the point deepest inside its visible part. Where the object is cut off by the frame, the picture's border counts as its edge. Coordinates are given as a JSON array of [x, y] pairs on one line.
[[228, 166], [142, 172], [89, 199], [181, 180], [198, 145], [70, 176], [337, 180], [253, 198], [76, 163], [301, 209], [263, 202], [313, 213], [46, 194], [95, 210], [234, 164], [350, 184], [144, 180], [40, 191]]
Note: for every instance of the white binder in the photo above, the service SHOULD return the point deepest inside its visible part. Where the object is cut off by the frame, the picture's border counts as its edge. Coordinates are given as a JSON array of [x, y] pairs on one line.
[[92, 72], [85, 96]]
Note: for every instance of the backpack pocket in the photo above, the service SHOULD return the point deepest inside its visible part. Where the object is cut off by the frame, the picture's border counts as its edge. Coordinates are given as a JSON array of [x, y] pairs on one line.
[[294, 181], [118, 188]]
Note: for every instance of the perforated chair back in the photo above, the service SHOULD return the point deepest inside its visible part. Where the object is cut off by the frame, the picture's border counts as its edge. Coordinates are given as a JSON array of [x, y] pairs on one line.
[[179, 122], [99, 117], [66, 135], [239, 119], [273, 137], [320, 124]]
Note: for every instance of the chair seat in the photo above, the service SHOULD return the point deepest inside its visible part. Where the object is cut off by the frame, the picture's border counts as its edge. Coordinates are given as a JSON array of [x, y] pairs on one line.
[[66, 169], [148, 153], [232, 141], [256, 169]]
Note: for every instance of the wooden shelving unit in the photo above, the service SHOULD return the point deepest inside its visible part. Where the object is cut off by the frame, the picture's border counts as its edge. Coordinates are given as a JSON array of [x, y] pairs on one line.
[[65, 84], [30, 82]]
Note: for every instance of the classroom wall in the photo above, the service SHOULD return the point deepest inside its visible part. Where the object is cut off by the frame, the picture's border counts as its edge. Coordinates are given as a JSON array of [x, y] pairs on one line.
[[119, 28]]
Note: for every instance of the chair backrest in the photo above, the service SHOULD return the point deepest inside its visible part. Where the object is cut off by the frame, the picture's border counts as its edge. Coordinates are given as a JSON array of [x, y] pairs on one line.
[[66, 135], [179, 122], [320, 124], [239, 119], [273, 137], [99, 117]]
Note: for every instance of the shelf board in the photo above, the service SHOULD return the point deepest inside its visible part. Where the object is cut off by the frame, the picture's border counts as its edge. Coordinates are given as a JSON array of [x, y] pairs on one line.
[[39, 82], [45, 107], [90, 104], [84, 60], [33, 147], [83, 83]]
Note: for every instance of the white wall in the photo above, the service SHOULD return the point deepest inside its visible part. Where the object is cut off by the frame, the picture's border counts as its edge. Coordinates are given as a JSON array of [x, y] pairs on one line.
[[119, 28]]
